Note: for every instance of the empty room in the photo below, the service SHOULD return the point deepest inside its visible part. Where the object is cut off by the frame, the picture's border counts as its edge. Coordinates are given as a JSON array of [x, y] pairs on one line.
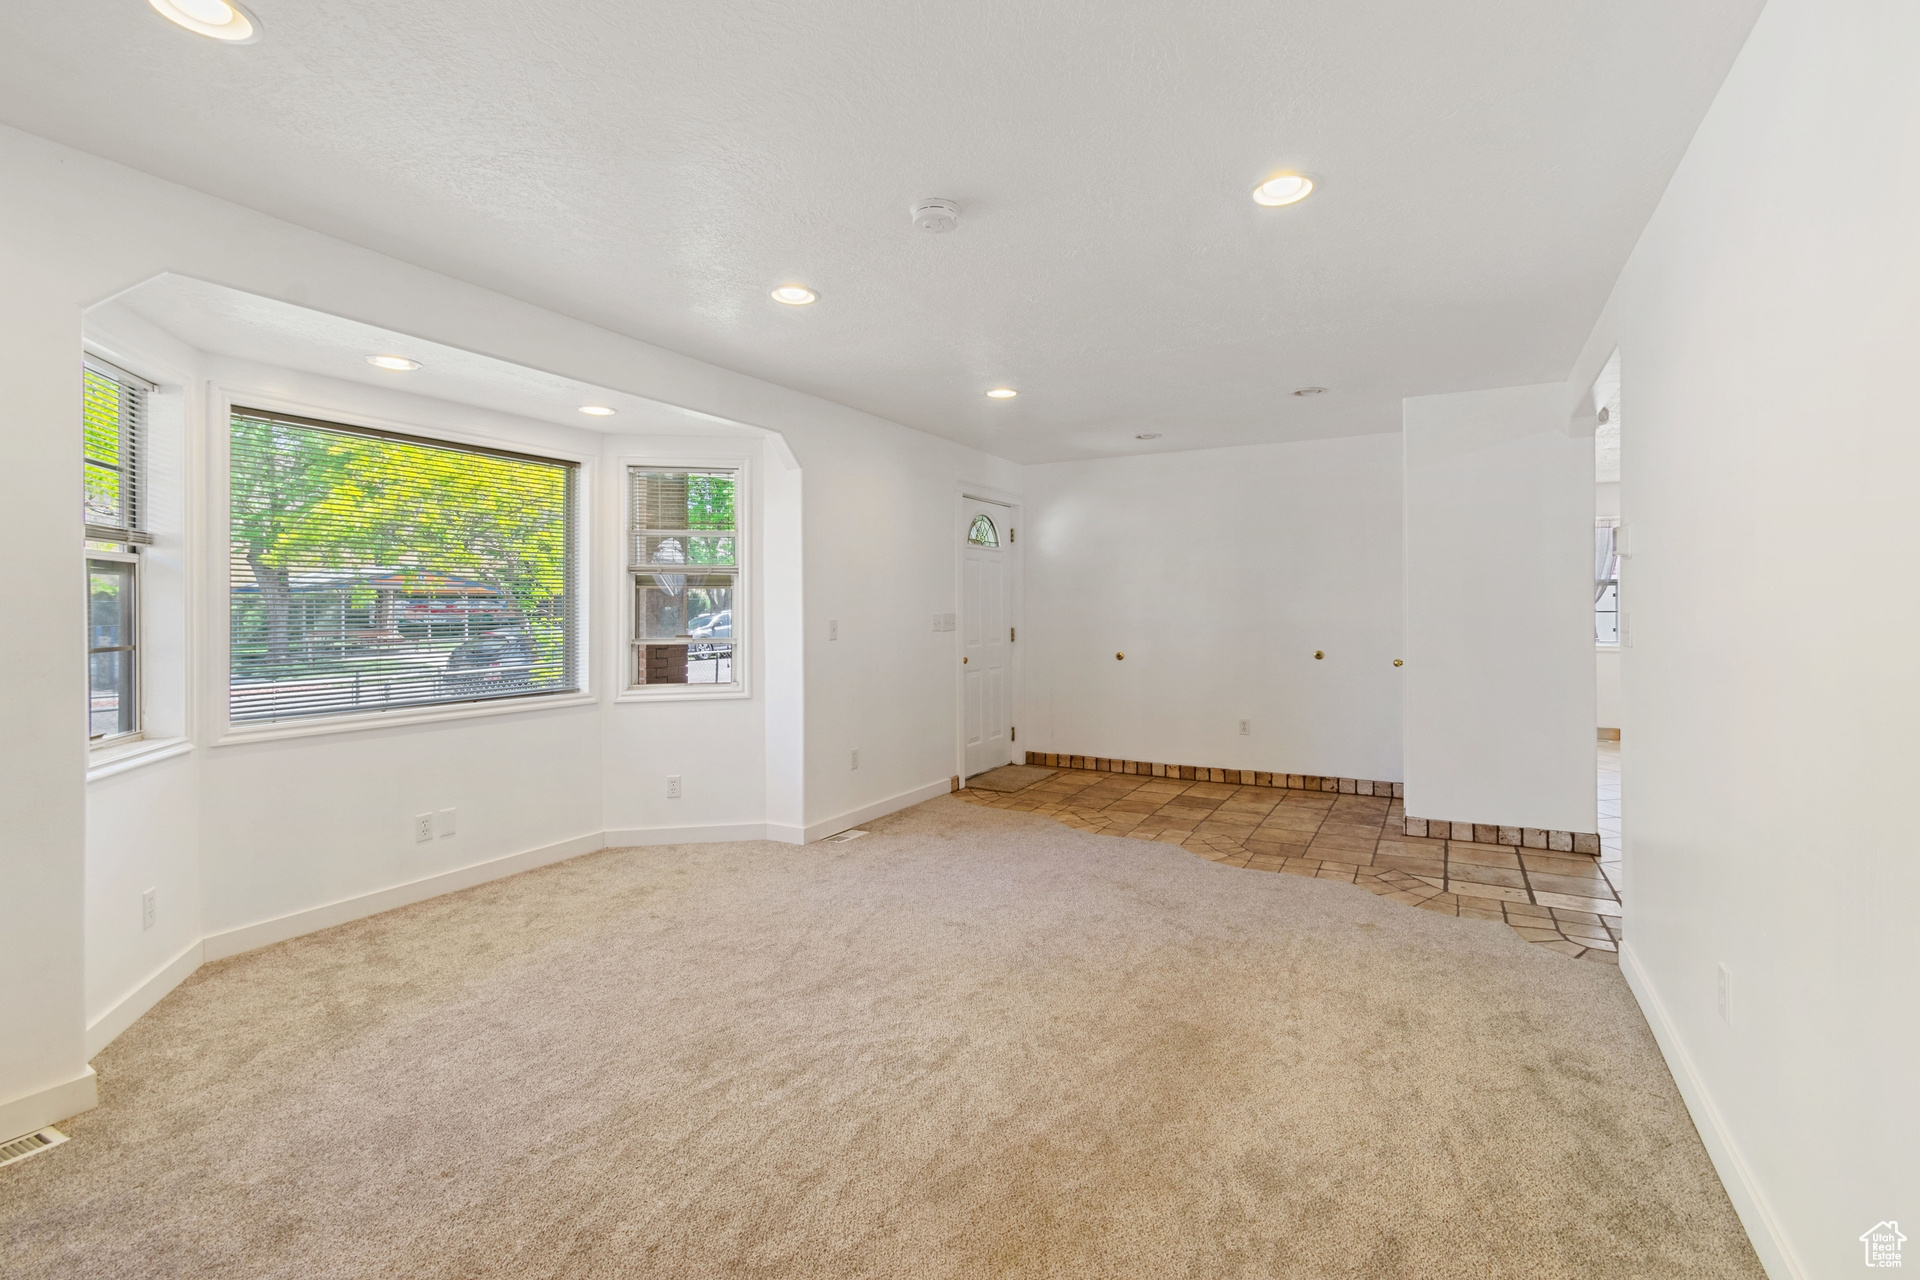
[[854, 639]]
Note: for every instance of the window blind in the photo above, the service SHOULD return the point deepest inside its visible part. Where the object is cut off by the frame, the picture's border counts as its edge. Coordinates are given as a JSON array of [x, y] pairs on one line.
[[373, 571], [683, 555], [114, 435]]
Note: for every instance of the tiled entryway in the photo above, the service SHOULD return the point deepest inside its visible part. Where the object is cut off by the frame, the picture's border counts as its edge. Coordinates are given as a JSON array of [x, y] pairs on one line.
[[1563, 901]]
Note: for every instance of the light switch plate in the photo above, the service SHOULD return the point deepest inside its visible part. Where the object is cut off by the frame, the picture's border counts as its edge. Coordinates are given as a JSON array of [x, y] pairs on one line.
[[445, 822]]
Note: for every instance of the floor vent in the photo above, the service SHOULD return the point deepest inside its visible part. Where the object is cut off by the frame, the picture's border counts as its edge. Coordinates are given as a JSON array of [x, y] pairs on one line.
[[845, 836], [31, 1144]]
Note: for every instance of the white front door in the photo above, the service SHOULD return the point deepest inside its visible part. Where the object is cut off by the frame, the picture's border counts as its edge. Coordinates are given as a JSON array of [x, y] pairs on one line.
[[986, 636]]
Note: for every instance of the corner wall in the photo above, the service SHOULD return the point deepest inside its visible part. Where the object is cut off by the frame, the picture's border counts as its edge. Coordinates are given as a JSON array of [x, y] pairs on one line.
[[1499, 607], [1768, 325]]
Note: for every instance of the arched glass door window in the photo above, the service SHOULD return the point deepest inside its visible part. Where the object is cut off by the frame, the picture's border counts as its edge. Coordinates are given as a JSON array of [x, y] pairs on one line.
[[982, 533]]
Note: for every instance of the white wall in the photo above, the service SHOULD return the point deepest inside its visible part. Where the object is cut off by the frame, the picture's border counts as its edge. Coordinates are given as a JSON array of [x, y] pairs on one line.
[[1499, 607], [880, 559], [718, 747], [143, 810], [1218, 573], [1768, 330], [275, 834]]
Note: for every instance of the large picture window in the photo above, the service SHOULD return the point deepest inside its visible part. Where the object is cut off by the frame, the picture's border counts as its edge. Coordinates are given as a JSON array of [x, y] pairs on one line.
[[684, 563], [373, 571], [113, 416]]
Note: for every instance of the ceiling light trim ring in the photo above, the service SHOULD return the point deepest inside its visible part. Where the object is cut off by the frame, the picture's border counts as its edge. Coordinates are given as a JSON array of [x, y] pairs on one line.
[[398, 364], [1002, 393], [1283, 189], [240, 27], [794, 295]]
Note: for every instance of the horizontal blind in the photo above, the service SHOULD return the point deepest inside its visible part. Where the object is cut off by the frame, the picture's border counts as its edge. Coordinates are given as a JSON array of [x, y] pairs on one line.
[[114, 436], [680, 518], [683, 552], [373, 571]]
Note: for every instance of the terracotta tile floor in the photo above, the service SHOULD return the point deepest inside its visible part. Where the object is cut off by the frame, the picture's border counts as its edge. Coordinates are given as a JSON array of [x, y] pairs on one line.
[[1567, 902]]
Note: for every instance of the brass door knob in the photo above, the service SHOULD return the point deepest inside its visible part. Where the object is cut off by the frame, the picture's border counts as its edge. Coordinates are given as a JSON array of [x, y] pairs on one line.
[[1398, 663], [1119, 657], [1319, 654], [963, 661]]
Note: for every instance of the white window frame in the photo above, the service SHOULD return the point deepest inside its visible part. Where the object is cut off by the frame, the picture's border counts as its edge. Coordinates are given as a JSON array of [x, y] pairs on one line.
[[741, 686], [218, 618], [134, 497]]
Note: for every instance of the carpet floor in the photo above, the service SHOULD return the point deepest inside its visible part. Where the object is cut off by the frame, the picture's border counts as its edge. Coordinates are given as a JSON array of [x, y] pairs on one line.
[[974, 1043]]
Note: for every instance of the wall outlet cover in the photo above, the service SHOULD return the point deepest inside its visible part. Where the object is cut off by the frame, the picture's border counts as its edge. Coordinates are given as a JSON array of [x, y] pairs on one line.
[[149, 908], [673, 786], [422, 827]]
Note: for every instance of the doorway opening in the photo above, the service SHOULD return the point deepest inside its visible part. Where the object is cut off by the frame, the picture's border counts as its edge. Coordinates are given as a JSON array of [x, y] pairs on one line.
[[1610, 624]]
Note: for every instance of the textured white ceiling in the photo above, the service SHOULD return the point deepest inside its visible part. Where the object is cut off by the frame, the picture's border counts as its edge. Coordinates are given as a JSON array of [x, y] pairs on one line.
[[1484, 169]]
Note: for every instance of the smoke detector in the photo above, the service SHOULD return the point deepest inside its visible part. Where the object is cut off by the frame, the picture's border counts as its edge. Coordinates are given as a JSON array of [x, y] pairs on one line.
[[936, 216]]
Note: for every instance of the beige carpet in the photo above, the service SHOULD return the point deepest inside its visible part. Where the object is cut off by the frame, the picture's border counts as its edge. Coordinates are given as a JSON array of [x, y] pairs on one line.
[[973, 1044]]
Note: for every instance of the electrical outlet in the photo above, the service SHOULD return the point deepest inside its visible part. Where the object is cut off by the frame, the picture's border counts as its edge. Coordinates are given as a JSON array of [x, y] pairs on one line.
[[422, 827], [149, 908], [1246, 727], [1726, 995], [856, 758], [833, 628], [445, 822], [673, 786]]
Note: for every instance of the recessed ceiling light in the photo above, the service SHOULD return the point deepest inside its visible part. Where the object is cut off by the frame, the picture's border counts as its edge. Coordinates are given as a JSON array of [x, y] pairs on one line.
[[794, 295], [1311, 391], [1002, 393], [217, 19], [1148, 435], [393, 362], [1283, 188], [596, 410]]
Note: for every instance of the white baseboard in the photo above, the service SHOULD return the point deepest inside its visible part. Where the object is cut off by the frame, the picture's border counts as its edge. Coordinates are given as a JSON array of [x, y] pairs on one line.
[[634, 837], [102, 1030], [267, 932], [47, 1106], [1763, 1229], [879, 809]]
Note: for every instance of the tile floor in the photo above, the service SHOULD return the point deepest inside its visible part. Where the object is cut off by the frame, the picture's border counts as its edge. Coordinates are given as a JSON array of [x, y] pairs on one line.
[[1567, 902]]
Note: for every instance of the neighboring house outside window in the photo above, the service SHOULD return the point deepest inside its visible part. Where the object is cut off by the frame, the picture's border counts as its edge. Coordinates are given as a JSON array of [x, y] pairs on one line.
[[1606, 583], [114, 417], [684, 562], [373, 571]]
